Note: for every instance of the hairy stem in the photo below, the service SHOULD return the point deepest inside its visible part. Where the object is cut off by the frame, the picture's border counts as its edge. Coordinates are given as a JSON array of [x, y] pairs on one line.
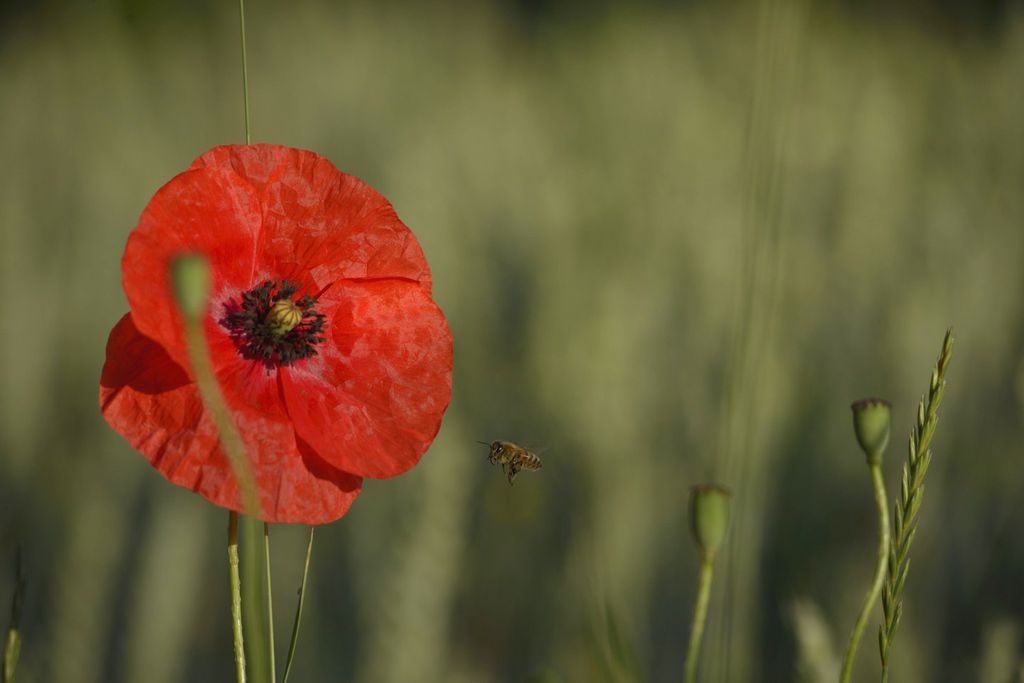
[[876, 585], [700, 613], [236, 596], [216, 407]]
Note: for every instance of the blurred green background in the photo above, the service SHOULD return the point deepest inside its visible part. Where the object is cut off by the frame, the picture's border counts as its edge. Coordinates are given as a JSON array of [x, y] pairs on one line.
[[674, 241]]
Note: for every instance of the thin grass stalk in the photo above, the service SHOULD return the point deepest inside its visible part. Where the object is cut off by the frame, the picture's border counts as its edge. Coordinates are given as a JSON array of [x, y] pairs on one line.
[[245, 73], [906, 509], [270, 602], [298, 610]]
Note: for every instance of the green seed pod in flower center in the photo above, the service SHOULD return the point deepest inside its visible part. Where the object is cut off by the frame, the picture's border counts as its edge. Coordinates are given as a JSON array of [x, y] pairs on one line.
[[871, 420], [283, 317], [709, 516]]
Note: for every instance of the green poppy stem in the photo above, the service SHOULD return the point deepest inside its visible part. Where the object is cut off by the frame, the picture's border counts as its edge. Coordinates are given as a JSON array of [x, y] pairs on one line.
[[190, 282], [700, 613], [252, 600], [236, 596], [270, 602], [190, 276], [298, 609], [876, 585]]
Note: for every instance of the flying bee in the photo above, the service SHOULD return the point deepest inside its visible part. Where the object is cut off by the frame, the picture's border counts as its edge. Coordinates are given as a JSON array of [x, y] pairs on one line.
[[512, 458]]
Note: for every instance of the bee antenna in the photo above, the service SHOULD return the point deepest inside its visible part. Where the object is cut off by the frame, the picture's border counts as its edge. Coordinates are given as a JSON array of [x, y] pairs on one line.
[[484, 443]]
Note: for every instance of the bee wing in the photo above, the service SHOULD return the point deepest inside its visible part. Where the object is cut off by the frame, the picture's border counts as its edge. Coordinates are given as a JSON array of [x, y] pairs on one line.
[[543, 447]]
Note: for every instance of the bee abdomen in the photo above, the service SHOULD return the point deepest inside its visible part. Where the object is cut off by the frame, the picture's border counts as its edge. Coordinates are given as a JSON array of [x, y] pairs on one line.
[[531, 462]]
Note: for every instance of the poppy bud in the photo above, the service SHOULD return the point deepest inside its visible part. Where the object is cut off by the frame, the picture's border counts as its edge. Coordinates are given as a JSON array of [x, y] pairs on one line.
[[283, 317], [871, 425], [709, 516], [190, 279]]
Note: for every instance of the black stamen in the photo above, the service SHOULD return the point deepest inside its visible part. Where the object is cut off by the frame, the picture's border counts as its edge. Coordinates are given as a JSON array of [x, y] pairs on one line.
[[246, 322]]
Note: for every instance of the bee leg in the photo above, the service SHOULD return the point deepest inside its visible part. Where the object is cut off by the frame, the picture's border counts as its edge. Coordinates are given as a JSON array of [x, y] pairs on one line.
[[513, 470]]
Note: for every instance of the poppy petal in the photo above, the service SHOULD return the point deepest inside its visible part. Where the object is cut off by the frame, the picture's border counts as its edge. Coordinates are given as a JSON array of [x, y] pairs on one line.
[[149, 399], [208, 211], [372, 400], [319, 224]]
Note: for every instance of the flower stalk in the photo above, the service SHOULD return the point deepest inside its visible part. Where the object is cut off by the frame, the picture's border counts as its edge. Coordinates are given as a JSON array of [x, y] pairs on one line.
[[236, 597], [190, 279], [871, 425], [700, 612], [190, 276], [709, 519], [876, 584]]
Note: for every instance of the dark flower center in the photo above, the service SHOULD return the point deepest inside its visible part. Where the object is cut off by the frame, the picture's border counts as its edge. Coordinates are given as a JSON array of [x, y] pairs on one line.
[[269, 326]]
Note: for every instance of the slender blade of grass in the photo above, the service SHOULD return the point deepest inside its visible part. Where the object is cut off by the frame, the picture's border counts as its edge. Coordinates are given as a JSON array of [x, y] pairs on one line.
[[298, 610], [270, 602]]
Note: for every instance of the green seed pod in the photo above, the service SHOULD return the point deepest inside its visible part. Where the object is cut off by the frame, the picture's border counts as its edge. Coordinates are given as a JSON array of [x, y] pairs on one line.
[[709, 516], [871, 419], [190, 279], [283, 317]]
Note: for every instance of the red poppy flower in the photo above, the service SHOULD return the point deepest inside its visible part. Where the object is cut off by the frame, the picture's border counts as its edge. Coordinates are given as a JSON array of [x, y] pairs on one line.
[[332, 356]]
